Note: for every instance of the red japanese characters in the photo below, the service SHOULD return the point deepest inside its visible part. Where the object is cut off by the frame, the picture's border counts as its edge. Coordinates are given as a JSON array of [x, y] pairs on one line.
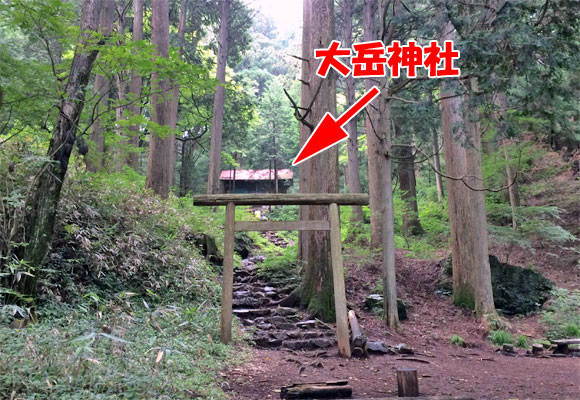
[[372, 59]]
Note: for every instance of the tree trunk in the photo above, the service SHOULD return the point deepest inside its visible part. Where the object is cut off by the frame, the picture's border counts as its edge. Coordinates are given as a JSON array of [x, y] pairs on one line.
[[375, 149], [43, 201], [353, 180], [161, 149], [174, 103], [186, 175], [467, 218], [305, 131], [437, 163], [102, 87], [406, 173], [135, 87], [316, 291], [120, 152], [215, 157], [480, 253], [513, 188], [383, 131]]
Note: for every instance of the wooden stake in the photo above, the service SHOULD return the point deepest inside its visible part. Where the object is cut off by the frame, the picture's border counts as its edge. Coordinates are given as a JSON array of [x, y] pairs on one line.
[[407, 382], [228, 275], [338, 279]]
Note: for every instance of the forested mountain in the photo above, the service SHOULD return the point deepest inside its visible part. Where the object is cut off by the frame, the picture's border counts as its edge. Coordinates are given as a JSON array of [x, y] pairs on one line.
[[118, 119]]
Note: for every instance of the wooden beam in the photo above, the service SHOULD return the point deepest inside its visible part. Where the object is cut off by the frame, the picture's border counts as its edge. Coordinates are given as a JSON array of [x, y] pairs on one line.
[[228, 275], [282, 226], [338, 279], [342, 199]]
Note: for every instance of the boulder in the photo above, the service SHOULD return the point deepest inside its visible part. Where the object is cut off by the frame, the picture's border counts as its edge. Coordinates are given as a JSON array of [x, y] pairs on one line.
[[374, 303], [516, 290]]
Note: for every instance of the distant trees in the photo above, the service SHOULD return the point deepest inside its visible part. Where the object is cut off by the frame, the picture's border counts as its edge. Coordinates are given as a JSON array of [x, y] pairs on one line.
[[218, 102]]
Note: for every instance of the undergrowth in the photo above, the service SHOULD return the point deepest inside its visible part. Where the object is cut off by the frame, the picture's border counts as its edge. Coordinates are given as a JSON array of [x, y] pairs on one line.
[[127, 305], [561, 319]]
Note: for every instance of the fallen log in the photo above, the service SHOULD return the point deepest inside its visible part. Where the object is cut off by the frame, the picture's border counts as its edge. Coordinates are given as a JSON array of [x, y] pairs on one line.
[[358, 341], [318, 390]]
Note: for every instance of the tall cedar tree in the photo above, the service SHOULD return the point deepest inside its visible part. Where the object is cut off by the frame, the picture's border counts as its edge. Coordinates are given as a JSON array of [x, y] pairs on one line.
[[320, 172], [160, 166], [215, 157], [43, 200]]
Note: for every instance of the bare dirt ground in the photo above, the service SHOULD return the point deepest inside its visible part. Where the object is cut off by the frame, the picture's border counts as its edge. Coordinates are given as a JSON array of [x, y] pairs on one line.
[[477, 370]]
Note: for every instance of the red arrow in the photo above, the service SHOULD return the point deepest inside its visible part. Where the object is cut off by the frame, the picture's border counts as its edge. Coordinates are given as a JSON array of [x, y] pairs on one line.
[[330, 131]]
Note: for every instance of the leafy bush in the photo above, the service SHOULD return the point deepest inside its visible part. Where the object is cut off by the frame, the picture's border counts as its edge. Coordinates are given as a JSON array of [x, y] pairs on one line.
[[562, 316], [457, 340], [500, 337], [522, 341]]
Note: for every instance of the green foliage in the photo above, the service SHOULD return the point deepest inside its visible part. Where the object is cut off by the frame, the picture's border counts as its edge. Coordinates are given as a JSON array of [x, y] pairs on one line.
[[500, 337], [457, 340], [125, 351], [522, 341], [562, 316], [283, 268]]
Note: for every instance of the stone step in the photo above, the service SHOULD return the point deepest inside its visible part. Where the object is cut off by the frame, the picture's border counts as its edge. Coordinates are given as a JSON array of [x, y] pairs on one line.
[[250, 302], [250, 313], [309, 344]]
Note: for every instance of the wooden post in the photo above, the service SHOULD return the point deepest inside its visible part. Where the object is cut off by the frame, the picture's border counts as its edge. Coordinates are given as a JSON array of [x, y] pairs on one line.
[[407, 382], [338, 279], [228, 275]]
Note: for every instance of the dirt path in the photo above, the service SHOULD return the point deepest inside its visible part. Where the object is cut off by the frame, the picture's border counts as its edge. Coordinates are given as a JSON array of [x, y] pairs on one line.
[[287, 352]]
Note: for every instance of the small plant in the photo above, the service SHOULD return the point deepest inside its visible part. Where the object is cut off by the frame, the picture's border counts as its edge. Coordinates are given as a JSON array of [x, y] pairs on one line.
[[457, 340], [562, 317], [501, 337], [522, 341]]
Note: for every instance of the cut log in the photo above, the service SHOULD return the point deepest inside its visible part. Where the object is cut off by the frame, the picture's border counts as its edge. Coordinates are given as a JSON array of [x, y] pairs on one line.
[[562, 345], [358, 341], [319, 390], [407, 382]]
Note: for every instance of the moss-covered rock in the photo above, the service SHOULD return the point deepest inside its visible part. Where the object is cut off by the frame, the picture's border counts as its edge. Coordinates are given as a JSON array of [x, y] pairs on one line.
[[516, 290]]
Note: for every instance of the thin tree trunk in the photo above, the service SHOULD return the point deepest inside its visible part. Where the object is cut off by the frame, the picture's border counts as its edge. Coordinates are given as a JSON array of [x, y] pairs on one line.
[[388, 229], [218, 104], [95, 158], [135, 88], [407, 182], [513, 188], [353, 180], [120, 157], [375, 149], [161, 149], [186, 175], [44, 197], [437, 163]]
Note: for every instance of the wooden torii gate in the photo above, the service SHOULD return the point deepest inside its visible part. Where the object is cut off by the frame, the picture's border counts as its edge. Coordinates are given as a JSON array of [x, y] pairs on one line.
[[332, 200]]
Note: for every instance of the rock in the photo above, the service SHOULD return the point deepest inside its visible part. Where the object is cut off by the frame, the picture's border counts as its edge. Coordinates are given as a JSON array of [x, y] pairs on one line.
[[374, 303], [241, 293], [249, 302], [308, 344], [249, 313], [310, 324], [206, 244], [285, 311], [265, 327], [379, 347], [243, 244], [516, 290], [404, 349]]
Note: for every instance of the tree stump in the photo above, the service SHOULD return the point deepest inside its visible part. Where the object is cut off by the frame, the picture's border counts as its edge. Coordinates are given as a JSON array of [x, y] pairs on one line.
[[407, 382], [537, 349]]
